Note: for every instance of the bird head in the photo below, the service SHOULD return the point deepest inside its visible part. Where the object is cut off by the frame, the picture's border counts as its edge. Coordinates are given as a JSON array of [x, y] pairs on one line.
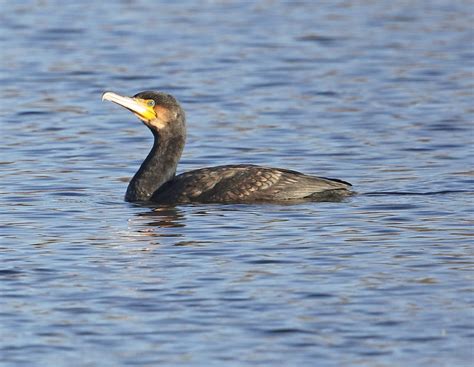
[[159, 111]]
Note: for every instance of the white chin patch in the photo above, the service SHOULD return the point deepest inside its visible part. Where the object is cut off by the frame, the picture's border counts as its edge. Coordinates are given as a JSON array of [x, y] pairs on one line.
[[158, 124]]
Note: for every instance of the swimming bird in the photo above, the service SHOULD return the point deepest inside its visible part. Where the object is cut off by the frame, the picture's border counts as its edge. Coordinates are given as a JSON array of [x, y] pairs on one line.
[[156, 179]]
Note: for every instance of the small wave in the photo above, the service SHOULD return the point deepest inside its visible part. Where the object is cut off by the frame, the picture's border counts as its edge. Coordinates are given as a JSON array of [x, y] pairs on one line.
[[409, 193]]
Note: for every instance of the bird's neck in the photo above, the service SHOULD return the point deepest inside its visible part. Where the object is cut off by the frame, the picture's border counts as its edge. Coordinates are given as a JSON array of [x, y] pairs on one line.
[[158, 168]]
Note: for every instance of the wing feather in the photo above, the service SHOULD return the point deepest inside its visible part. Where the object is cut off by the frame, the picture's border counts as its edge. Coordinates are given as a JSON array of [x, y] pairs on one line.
[[243, 183]]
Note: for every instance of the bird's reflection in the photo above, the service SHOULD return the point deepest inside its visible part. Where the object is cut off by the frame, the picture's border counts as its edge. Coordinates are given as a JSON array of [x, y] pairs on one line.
[[163, 223], [163, 217]]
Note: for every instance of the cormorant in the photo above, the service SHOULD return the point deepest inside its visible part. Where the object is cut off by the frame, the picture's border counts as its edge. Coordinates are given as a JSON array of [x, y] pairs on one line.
[[156, 180]]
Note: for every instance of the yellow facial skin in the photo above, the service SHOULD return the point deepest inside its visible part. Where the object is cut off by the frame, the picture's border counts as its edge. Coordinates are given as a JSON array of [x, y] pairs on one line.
[[143, 109]]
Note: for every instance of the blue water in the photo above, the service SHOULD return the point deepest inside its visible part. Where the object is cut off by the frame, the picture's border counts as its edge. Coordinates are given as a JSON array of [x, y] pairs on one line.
[[378, 93]]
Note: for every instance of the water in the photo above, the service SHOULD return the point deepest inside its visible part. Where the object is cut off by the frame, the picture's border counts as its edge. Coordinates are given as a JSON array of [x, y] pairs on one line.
[[376, 93]]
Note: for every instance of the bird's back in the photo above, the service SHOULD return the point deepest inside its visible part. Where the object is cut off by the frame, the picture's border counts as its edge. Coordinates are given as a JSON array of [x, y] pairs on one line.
[[249, 183]]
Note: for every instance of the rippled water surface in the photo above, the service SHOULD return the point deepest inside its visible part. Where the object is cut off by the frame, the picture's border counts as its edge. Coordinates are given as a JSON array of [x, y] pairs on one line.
[[378, 93]]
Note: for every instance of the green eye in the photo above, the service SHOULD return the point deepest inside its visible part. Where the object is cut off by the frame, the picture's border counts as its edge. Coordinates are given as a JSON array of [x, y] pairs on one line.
[[150, 103]]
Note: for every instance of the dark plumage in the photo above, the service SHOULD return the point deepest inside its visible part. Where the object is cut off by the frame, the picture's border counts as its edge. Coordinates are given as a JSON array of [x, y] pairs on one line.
[[156, 181]]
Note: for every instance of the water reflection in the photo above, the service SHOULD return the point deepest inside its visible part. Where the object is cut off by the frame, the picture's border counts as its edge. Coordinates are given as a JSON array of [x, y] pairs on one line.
[[164, 217]]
